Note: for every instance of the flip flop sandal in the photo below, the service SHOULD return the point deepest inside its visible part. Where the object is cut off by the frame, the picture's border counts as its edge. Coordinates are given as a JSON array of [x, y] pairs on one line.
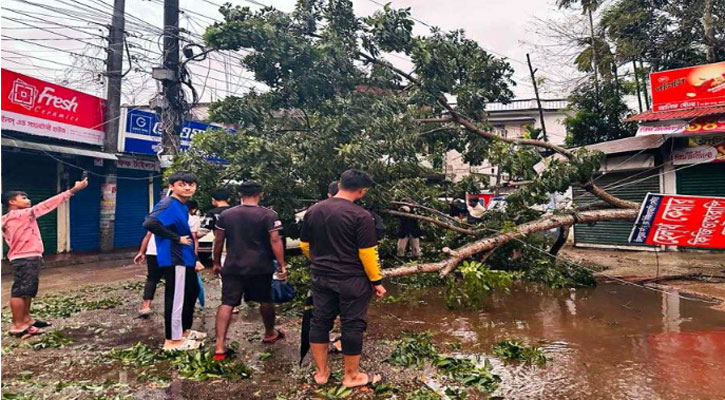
[[223, 356], [371, 383], [333, 349], [27, 332], [41, 324], [329, 376], [186, 346], [280, 336], [144, 314], [196, 335]]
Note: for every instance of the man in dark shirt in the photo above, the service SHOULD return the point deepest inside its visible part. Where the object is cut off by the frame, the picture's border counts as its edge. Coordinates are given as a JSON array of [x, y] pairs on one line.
[[252, 235], [220, 201], [408, 233], [339, 238]]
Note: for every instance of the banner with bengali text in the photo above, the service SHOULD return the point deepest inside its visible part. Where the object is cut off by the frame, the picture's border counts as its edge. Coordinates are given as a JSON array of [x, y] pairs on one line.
[[680, 220]]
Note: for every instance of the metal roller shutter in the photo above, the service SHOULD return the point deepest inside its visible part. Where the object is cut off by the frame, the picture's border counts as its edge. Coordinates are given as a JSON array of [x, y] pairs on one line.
[[37, 175], [620, 184], [702, 180], [85, 209], [132, 206]]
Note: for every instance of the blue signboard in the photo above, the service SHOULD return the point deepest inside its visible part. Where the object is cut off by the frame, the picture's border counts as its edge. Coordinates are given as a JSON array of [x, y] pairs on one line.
[[142, 132]]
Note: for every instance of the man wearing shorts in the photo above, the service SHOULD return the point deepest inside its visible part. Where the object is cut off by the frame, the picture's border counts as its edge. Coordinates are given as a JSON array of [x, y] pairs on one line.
[[21, 233], [339, 238], [253, 242]]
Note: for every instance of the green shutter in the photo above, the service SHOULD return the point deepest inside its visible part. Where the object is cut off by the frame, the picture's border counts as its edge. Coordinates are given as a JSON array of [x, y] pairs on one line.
[[630, 185], [702, 180], [36, 175]]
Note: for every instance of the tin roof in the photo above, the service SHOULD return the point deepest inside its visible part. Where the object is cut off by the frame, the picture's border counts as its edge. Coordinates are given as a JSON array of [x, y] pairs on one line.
[[650, 115]]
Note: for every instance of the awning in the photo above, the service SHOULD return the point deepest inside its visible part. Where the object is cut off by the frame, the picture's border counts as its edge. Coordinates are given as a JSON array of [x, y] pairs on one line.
[[650, 115], [57, 149]]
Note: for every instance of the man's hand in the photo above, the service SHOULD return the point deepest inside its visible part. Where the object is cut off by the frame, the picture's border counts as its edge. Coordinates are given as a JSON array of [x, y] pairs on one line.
[[199, 266], [216, 268], [139, 258], [379, 291], [185, 240], [282, 272], [80, 185]]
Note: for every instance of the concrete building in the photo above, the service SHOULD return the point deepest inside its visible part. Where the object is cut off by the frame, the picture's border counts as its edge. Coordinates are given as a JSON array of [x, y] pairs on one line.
[[512, 120]]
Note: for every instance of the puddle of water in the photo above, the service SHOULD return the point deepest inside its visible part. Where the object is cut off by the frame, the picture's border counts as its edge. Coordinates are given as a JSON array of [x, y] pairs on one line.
[[608, 342]]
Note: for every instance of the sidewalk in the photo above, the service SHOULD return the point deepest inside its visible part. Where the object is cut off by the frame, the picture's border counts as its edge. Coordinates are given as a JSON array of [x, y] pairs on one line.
[[121, 256], [76, 276], [695, 273]]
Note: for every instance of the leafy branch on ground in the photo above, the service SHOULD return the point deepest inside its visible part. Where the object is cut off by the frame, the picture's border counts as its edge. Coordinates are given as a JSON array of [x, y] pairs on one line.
[[51, 340], [515, 350]]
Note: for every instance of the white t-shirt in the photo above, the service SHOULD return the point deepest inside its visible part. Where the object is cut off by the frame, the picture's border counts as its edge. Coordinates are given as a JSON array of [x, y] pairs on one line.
[[194, 224]]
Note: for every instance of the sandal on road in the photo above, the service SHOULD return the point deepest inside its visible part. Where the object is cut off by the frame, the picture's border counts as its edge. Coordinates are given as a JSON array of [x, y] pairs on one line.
[[27, 332], [373, 380], [280, 336], [223, 356], [144, 314], [196, 335], [41, 324], [186, 346]]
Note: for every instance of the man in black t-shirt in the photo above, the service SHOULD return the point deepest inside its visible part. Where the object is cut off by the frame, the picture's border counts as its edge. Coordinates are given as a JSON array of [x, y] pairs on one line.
[[339, 238], [252, 235], [220, 201]]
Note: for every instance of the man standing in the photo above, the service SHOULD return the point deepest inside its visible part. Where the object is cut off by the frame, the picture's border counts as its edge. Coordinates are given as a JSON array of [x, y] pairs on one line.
[[220, 201], [475, 210], [339, 238], [21, 233], [169, 222], [252, 235], [408, 233]]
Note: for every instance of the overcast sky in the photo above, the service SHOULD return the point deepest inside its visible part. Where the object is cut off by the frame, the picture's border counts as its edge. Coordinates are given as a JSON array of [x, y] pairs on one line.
[[507, 28]]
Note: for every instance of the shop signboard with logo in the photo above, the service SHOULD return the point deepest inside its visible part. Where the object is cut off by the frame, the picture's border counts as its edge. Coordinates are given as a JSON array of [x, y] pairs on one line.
[[685, 88], [677, 127], [680, 220], [141, 133], [36, 107]]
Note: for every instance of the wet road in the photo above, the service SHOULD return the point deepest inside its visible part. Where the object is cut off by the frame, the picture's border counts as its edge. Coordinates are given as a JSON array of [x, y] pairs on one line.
[[608, 342]]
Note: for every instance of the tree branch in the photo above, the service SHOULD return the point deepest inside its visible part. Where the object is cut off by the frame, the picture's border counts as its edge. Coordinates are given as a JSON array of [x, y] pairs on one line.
[[432, 221], [430, 210], [491, 242]]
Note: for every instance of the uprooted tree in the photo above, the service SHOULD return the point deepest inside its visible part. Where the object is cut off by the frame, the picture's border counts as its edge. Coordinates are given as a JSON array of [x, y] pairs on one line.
[[335, 101]]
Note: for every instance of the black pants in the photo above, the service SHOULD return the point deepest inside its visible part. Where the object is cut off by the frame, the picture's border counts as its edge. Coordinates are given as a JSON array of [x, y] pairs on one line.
[[182, 289], [154, 275], [348, 297]]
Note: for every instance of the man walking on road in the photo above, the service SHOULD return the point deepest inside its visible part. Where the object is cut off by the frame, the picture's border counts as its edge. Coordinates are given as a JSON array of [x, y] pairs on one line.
[[169, 222], [252, 236], [339, 238], [220, 201], [21, 233]]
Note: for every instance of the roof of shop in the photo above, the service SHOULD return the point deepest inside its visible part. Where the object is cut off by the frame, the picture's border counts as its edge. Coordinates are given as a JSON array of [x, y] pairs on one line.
[[650, 115]]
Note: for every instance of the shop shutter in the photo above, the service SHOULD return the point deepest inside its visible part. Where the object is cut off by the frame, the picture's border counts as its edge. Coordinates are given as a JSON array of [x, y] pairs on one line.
[[620, 184], [37, 175], [85, 209], [702, 180], [132, 206]]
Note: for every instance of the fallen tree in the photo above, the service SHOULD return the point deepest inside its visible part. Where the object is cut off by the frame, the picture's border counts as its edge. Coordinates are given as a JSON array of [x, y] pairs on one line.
[[336, 102]]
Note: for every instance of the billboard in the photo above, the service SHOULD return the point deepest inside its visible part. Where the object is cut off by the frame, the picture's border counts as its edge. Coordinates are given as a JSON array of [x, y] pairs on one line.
[[692, 87], [141, 134], [679, 220], [37, 107]]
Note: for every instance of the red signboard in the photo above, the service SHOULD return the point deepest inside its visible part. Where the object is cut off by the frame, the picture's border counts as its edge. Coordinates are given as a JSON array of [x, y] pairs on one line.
[[679, 220], [37, 107], [693, 87]]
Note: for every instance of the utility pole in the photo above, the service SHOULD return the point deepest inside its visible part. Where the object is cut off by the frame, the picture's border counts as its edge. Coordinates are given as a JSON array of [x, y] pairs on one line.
[[114, 65], [538, 100], [644, 81], [171, 112], [636, 84]]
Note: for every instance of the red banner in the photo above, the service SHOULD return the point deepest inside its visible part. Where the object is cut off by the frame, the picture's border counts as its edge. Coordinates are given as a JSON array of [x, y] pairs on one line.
[[692, 87], [679, 220], [37, 107]]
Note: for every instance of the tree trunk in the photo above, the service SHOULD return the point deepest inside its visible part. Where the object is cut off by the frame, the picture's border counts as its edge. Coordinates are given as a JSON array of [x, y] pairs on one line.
[[707, 25], [432, 220], [491, 242]]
